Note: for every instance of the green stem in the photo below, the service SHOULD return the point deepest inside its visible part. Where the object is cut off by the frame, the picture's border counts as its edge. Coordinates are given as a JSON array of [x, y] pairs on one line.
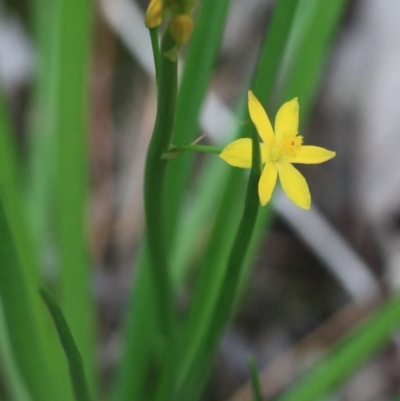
[[154, 183], [175, 150], [154, 211], [156, 50], [151, 307]]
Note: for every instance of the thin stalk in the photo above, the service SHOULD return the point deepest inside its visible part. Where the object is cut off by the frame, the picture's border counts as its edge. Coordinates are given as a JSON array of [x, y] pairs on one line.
[[174, 151], [154, 183], [151, 306], [156, 50], [154, 211]]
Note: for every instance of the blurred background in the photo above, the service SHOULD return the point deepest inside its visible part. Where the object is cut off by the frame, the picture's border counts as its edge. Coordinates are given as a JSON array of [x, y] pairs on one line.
[[317, 274]]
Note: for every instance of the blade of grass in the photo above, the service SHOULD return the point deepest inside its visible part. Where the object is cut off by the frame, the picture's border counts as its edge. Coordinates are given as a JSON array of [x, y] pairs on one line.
[[41, 156], [22, 315], [216, 173], [307, 53], [316, 24], [199, 62], [50, 107], [210, 283], [75, 363], [255, 380], [10, 186], [71, 186], [12, 379], [26, 271], [231, 279], [345, 358], [140, 335], [328, 27]]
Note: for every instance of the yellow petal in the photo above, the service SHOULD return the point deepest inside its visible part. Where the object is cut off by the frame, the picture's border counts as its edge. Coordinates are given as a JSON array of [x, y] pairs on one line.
[[312, 155], [287, 119], [294, 184], [260, 120], [267, 182], [238, 153]]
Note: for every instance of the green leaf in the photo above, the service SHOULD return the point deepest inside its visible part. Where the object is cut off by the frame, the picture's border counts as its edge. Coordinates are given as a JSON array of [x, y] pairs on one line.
[[255, 380], [12, 379], [70, 194], [308, 49], [227, 194], [72, 353], [22, 318], [345, 358], [40, 172], [198, 68]]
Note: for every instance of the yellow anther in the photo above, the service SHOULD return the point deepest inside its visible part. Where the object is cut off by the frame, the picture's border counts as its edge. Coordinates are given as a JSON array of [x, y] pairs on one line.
[[291, 144]]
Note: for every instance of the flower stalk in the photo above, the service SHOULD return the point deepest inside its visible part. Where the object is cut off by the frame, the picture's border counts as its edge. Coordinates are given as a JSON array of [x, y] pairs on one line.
[[154, 183], [174, 151]]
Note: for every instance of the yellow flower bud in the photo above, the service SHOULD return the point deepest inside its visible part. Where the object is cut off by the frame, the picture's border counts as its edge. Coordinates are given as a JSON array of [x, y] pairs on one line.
[[154, 14], [181, 28]]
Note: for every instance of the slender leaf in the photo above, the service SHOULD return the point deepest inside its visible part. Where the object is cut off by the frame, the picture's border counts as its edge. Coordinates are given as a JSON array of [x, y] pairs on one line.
[[72, 353], [13, 381], [308, 49], [198, 68], [39, 184], [348, 355], [71, 173], [210, 332], [141, 332], [255, 380], [211, 281], [21, 315]]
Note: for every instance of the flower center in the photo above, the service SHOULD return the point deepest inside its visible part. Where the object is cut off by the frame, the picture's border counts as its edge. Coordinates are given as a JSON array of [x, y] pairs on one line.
[[289, 145]]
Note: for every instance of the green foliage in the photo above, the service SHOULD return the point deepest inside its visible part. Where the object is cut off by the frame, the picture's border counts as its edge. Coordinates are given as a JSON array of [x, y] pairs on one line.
[[212, 231], [72, 353], [255, 380]]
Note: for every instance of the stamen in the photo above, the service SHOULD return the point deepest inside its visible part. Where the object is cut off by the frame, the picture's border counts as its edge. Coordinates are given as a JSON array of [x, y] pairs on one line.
[[290, 145]]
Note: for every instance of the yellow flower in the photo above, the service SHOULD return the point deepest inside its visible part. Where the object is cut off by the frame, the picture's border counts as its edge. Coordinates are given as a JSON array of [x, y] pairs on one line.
[[278, 151]]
